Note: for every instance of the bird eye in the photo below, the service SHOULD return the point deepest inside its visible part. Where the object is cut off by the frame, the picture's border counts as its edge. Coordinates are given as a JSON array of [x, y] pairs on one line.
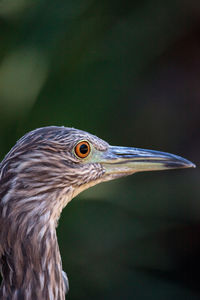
[[82, 149]]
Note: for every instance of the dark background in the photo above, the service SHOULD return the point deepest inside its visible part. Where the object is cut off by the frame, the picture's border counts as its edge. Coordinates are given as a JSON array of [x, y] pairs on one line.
[[129, 72]]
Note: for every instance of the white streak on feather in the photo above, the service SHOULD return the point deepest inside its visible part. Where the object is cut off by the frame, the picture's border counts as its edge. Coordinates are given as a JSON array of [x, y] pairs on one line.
[[41, 278]]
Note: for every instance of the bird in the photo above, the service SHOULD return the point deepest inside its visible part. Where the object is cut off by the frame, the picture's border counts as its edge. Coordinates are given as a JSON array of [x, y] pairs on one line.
[[43, 171]]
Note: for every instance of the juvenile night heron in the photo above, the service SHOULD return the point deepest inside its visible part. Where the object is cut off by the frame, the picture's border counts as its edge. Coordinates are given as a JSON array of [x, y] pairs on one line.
[[38, 177]]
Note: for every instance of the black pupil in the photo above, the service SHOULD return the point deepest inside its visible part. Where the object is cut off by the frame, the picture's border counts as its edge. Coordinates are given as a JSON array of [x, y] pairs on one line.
[[83, 149]]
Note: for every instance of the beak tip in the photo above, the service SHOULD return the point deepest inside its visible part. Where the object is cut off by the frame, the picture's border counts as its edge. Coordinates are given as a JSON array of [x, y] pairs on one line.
[[186, 163], [189, 164], [180, 164], [192, 165]]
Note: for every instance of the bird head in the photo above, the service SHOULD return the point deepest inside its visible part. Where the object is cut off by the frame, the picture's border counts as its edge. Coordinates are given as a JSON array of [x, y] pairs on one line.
[[64, 161]]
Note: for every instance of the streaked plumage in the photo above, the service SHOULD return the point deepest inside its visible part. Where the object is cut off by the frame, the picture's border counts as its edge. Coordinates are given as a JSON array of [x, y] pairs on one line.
[[38, 177]]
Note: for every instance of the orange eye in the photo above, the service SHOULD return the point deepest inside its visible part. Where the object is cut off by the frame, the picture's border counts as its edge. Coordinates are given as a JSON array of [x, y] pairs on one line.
[[82, 149]]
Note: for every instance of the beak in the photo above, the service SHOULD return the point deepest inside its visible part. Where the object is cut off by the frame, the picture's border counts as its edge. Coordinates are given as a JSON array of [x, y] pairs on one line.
[[120, 161]]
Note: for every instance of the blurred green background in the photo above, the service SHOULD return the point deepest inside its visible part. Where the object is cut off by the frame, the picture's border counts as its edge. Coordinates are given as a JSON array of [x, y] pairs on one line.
[[129, 72]]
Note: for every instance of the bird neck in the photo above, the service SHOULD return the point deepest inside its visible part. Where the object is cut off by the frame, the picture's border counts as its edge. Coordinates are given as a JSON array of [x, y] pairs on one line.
[[31, 263]]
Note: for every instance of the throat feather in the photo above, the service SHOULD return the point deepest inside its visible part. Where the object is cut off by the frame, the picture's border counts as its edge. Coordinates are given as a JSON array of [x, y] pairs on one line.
[[31, 264]]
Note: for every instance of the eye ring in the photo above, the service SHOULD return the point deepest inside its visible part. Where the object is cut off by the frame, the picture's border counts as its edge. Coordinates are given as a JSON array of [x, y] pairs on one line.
[[82, 149]]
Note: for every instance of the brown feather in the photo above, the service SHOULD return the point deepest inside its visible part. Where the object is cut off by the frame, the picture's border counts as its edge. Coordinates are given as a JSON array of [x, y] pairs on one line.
[[38, 177]]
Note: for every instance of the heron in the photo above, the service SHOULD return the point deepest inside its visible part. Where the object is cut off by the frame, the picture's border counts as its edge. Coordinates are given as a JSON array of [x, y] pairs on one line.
[[44, 170]]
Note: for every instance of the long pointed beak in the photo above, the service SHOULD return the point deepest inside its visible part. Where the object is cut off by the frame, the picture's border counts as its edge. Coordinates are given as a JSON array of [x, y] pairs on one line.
[[125, 161]]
